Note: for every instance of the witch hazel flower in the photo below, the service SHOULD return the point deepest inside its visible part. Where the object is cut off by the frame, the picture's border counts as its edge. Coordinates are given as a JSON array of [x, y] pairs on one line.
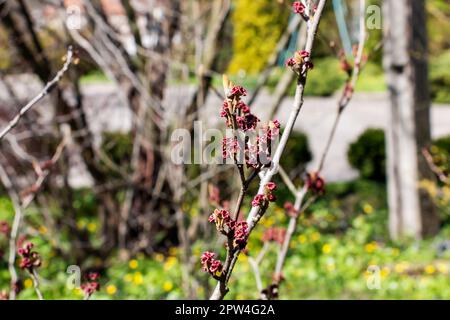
[[259, 200], [92, 284], [29, 259], [237, 91], [211, 265], [315, 183], [299, 8], [221, 218], [300, 62], [270, 188], [241, 234], [235, 110]]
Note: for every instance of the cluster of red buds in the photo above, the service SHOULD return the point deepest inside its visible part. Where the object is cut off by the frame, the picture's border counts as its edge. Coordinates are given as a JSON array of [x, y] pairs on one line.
[[274, 234], [236, 112], [30, 259], [315, 183], [299, 8], [4, 228], [211, 265], [300, 62], [91, 285], [262, 200], [290, 209], [256, 152], [232, 229]]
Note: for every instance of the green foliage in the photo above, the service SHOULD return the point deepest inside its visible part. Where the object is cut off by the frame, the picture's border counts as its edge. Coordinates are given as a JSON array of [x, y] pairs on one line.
[[297, 152], [257, 28], [441, 153], [367, 154], [371, 79], [440, 78], [325, 79], [438, 26], [334, 244], [118, 146]]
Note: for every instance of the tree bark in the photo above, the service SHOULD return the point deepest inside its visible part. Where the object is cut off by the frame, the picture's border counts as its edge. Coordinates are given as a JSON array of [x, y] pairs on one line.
[[411, 211]]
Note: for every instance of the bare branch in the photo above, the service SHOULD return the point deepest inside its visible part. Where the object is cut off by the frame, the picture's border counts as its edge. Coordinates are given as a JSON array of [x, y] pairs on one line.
[[47, 88], [256, 212]]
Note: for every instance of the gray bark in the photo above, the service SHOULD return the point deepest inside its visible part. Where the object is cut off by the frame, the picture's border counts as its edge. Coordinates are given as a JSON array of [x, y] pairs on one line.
[[411, 211]]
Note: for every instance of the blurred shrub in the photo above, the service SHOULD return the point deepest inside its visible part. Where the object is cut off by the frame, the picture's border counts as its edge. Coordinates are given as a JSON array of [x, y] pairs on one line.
[[257, 28], [367, 154], [440, 78], [438, 26], [324, 80], [5, 58], [297, 153], [117, 146], [441, 153]]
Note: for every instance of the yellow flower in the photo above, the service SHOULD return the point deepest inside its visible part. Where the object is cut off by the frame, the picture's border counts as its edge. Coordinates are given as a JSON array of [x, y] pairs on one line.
[[430, 269], [268, 222], [43, 230], [28, 283], [78, 291], [442, 267], [170, 262], [385, 272], [138, 279], [315, 236], [368, 209], [133, 264], [92, 227], [302, 239], [326, 249], [159, 257], [243, 258], [111, 289], [371, 247], [167, 286]]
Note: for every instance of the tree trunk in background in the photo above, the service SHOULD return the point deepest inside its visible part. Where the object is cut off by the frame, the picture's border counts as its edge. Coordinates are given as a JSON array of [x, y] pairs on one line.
[[411, 211]]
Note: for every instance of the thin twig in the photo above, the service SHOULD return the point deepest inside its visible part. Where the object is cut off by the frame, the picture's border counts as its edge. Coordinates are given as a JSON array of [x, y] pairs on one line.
[[47, 88], [35, 278], [436, 170], [349, 88]]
